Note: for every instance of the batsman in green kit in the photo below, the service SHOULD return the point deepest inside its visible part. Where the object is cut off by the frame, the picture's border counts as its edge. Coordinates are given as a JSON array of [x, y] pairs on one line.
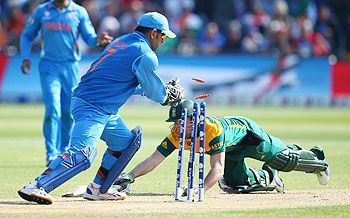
[[228, 141]]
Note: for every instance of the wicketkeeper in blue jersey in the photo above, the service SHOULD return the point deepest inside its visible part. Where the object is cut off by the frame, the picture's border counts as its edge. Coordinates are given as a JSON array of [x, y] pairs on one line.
[[126, 67], [60, 23]]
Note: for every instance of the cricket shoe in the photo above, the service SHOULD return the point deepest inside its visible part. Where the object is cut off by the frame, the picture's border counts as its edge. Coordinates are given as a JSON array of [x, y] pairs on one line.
[[76, 192], [93, 193], [31, 192], [224, 187], [277, 183], [323, 177]]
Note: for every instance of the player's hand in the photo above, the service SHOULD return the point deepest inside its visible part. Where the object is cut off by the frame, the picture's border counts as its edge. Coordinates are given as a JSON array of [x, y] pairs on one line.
[[185, 190], [25, 67], [123, 182], [175, 92], [104, 38]]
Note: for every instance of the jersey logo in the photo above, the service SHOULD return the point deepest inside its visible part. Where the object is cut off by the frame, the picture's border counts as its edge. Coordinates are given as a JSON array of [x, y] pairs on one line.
[[165, 145], [46, 15], [216, 146], [59, 26], [120, 44], [173, 112], [70, 15]]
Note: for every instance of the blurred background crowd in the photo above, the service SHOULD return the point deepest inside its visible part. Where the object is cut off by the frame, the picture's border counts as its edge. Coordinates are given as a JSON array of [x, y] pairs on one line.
[[305, 27]]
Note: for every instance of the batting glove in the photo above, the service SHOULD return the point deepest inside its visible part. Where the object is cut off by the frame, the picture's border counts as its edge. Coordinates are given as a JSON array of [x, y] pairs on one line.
[[185, 190], [123, 182]]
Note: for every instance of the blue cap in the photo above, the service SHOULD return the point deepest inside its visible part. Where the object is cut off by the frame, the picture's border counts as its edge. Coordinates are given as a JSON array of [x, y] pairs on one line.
[[157, 21]]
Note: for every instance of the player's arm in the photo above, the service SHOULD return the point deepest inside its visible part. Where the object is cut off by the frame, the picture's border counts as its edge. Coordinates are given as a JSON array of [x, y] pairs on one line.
[[217, 165], [215, 140], [148, 164], [145, 68], [27, 36], [88, 32], [139, 91]]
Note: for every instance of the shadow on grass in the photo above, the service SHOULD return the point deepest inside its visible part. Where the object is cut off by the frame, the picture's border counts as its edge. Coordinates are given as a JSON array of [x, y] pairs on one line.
[[27, 166], [150, 194], [19, 202]]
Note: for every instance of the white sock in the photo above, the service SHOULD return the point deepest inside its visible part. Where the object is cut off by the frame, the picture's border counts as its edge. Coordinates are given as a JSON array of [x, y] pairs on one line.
[[95, 185]]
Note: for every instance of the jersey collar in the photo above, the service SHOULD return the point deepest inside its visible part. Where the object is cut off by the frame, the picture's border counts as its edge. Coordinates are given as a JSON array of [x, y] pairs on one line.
[[137, 33], [70, 6]]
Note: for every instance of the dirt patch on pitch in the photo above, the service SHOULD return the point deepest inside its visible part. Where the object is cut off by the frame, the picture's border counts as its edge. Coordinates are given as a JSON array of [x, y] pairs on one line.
[[148, 203]]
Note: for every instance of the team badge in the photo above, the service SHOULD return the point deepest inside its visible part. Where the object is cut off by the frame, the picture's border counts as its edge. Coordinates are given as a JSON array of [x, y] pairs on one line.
[[165, 145], [69, 15], [173, 112]]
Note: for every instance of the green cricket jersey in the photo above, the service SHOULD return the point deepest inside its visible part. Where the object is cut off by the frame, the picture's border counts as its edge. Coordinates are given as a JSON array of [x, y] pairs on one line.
[[222, 134]]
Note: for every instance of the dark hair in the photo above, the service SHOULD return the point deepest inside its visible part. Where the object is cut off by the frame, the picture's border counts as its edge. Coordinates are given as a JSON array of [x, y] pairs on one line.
[[144, 30]]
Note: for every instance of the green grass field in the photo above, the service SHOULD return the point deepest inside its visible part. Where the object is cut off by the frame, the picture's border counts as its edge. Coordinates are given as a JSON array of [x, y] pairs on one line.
[[22, 152]]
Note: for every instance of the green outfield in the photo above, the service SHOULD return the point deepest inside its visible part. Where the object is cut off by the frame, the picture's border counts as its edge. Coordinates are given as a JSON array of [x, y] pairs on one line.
[[22, 156]]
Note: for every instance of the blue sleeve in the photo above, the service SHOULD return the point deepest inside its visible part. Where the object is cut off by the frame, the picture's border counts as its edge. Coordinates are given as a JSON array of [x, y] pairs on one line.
[[86, 29], [29, 33], [139, 91], [145, 68]]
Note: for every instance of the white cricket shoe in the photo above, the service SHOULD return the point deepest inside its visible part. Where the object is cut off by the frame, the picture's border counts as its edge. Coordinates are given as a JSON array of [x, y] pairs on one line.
[[278, 183], [31, 192], [76, 192], [323, 177], [93, 193]]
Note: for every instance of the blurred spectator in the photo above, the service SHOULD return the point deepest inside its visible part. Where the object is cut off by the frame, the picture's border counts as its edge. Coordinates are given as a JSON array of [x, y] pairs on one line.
[[92, 7], [128, 20], [109, 23], [256, 20], [253, 26], [15, 24], [308, 42], [329, 27], [188, 26], [174, 9], [234, 37], [188, 21], [211, 41], [4, 10], [3, 39], [254, 42], [280, 27]]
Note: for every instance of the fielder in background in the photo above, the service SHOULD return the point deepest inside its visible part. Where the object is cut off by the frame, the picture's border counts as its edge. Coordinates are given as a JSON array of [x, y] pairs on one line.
[[127, 66], [60, 23], [229, 140]]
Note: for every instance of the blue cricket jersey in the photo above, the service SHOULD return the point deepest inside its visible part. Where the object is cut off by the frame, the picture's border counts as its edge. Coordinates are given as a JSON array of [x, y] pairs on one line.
[[59, 32], [125, 65]]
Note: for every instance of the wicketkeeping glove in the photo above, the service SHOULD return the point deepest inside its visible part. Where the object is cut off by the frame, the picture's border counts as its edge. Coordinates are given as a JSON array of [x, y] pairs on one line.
[[174, 90], [123, 182]]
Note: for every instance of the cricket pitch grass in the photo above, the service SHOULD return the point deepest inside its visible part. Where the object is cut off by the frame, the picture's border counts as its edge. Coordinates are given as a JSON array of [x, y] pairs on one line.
[[22, 159]]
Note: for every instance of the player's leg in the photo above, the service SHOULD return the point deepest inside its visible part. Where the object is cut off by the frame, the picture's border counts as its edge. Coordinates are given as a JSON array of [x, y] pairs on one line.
[[239, 178], [298, 159], [69, 80], [88, 128], [51, 89], [279, 156], [121, 148]]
